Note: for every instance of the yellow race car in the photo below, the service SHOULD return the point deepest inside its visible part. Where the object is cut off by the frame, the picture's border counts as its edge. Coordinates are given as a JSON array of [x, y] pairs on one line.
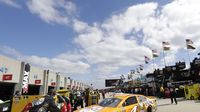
[[124, 103]]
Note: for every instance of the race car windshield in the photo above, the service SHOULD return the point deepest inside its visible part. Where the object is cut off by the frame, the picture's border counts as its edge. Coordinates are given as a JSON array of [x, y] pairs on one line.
[[110, 102]]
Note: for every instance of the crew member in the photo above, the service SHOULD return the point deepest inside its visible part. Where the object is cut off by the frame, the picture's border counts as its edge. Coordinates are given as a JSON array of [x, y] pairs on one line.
[[173, 95], [49, 99]]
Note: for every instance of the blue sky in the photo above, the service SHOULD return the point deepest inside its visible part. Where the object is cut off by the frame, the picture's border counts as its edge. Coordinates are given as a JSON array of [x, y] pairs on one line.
[[33, 32], [92, 40]]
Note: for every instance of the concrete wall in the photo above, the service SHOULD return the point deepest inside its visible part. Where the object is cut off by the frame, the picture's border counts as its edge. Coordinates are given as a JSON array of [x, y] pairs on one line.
[[67, 82], [52, 77], [36, 75], [62, 81], [15, 68], [11, 67]]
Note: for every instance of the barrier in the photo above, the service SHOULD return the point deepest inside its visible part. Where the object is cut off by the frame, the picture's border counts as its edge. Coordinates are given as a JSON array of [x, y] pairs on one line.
[[192, 91], [64, 92], [19, 102], [93, 98]]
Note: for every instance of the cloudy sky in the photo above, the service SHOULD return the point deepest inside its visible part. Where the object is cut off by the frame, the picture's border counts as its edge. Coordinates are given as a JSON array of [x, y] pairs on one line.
[[94, 40]]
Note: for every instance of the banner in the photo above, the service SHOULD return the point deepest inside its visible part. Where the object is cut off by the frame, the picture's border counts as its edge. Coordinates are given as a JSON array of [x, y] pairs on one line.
[[111, 82], [26, 79], [141, 67]]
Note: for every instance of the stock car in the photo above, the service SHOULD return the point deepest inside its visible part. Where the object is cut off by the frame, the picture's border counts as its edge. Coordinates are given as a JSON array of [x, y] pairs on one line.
[[124, 103]]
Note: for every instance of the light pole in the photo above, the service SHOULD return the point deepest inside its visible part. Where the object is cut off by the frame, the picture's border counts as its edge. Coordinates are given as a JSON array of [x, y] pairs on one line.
[[91, 86]]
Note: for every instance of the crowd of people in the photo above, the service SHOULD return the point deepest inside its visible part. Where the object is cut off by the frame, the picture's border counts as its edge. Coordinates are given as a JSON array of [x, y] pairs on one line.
[[167, 92], [55, 102], [81, 99]]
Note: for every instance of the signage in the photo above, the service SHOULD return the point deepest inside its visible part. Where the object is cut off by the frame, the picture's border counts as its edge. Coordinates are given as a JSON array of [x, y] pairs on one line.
[[3, 69], [111, 82], [35, 76], [37, 81], [7, 77], [53, 84], [26, 79]]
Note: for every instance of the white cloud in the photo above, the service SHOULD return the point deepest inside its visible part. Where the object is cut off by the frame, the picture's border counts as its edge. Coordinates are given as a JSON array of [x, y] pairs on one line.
[[53, 11], [106, 44], [11, 3], [134, 18], [61, 65], [111, 44], [122, 39], [79, 26], [69, 63], [10, 51], [178, 20], [71, 56], [106, 69]]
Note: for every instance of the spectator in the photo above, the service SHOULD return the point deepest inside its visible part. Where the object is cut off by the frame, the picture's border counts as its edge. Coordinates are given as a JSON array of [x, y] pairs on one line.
[[87, 92], [103, 94], [146, 92], [173, 95]]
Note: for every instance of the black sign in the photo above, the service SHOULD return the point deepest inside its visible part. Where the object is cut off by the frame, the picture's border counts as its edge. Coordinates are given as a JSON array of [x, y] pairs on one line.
[[26, 79], [111, 82], [180, 65]]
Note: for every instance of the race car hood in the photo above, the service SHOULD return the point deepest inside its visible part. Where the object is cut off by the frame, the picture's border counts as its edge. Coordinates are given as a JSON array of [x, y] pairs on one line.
[[95, 108]]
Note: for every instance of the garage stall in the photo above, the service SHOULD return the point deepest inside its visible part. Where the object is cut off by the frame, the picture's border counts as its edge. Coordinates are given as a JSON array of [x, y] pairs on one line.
[[52, 80], [36, 81], [62, 82], [10, 71]]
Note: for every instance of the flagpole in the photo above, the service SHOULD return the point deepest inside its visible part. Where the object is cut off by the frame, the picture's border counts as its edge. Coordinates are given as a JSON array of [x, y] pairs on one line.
[[188, 55], [164, 58], [153, 64]]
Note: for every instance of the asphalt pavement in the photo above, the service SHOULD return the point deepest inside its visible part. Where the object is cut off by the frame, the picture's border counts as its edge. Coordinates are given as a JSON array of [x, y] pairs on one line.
[[164, 105]]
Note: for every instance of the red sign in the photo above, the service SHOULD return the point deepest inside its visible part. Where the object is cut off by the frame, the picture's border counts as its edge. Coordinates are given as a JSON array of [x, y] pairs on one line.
[[7, 77], [37, 81], [53, 84]]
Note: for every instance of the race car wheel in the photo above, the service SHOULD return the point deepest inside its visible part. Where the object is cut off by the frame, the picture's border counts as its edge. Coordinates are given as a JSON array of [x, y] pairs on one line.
[[149, 109]]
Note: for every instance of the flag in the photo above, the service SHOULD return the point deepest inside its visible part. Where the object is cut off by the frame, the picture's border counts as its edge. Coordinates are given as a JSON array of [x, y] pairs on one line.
[[132, 71], [166, 46], [155, 53], [130, 76], [137, 70], [146, 59], [141, 67], [189, 44]]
